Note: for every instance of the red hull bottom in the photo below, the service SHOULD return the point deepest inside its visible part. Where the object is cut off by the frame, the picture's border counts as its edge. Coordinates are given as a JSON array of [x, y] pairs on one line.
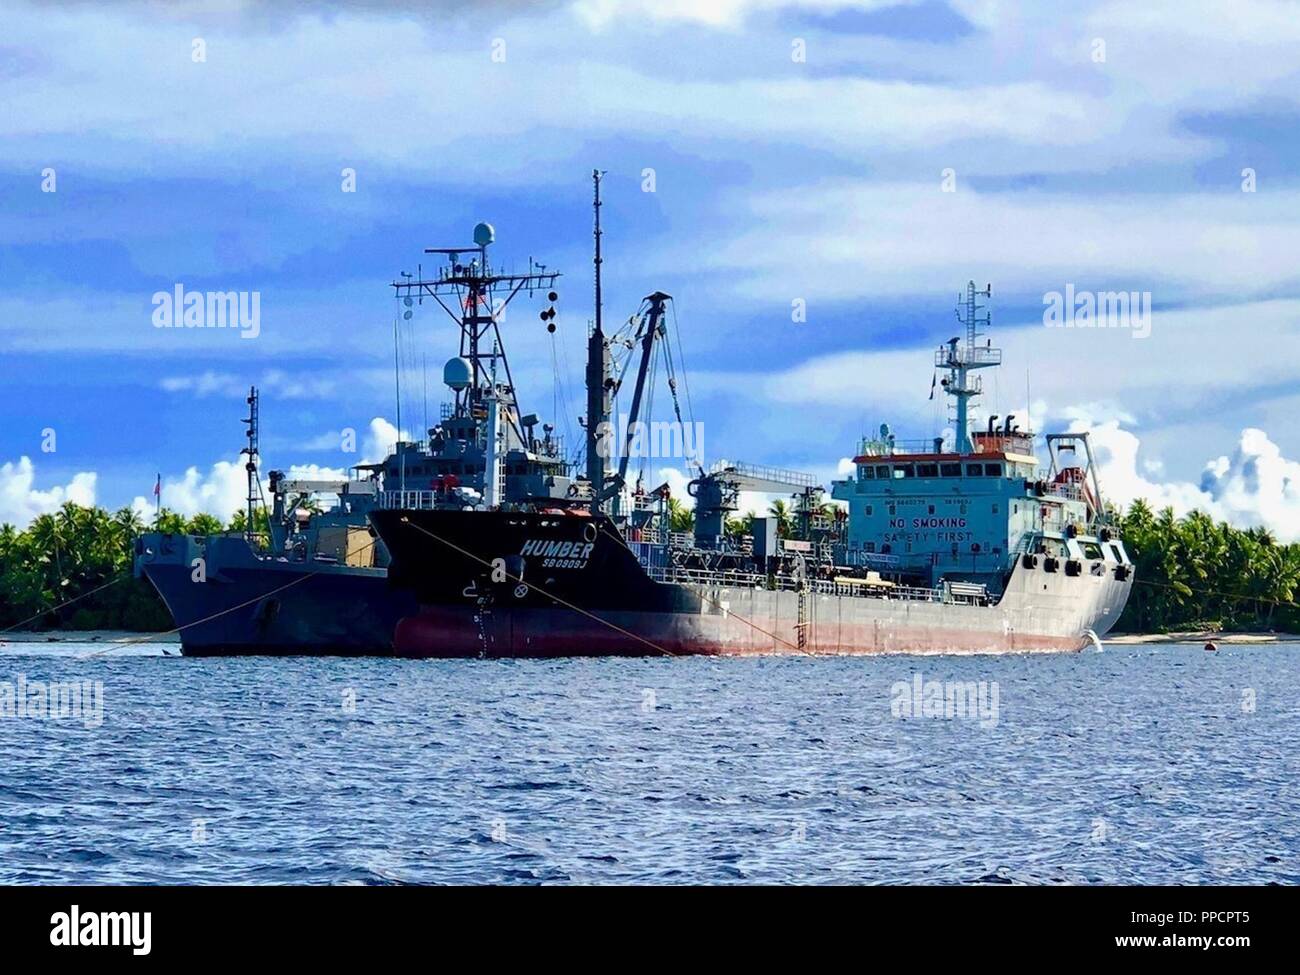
[[454, 632]]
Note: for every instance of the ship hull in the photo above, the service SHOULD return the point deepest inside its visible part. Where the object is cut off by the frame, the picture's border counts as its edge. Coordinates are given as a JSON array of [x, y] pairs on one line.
[[601, 602], [249, 607]]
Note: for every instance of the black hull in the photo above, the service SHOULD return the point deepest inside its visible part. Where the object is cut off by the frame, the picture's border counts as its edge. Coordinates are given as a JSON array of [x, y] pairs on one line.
[[584, 593]]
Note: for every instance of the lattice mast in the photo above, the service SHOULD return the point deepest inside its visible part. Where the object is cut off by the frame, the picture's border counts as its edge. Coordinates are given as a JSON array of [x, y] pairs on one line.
[[960, 359], [250, 467]]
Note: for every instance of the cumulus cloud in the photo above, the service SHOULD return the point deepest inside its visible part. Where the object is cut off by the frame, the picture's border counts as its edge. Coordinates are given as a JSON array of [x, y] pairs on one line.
[[21, 501], [381, 440], [1254, 486], [1257, 485], [220, 492]]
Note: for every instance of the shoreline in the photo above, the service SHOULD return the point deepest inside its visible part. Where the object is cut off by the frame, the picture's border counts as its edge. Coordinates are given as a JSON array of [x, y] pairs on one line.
[[1192, 636], [89, 636], [166, 639]]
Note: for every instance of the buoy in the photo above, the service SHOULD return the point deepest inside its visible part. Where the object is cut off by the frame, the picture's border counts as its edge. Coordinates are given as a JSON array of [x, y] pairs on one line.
[[1211, 647]]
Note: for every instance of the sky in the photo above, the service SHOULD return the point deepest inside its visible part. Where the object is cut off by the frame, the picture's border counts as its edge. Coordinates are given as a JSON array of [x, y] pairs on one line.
[[851, 164]]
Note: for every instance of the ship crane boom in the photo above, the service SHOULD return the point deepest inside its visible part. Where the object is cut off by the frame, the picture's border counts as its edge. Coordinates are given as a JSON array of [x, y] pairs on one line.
[[649, 328]]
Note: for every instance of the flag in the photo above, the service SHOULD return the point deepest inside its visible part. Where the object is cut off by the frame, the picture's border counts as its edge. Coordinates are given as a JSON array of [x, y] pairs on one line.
[[157, 487], [933, 379]]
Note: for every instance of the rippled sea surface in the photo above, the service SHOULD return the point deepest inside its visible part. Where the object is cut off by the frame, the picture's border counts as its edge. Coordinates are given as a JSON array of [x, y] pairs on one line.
[[1141, 764]]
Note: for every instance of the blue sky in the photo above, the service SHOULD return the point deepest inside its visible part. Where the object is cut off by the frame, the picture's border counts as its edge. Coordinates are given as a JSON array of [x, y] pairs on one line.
[[776, 178]]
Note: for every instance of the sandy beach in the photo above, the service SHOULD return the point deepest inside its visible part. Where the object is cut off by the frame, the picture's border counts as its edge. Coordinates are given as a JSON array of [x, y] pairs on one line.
[[1202, 637], [87, 636]]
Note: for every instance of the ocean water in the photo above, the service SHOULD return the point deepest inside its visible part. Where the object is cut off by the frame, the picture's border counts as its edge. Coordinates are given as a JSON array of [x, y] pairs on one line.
[[1139, 764]]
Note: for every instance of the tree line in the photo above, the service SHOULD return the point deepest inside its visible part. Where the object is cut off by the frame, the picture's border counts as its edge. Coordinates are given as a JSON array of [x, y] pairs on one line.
[[50, 571], [1193, 573]]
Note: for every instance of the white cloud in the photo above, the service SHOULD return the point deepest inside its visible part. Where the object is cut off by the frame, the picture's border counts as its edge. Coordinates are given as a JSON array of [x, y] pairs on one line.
[[1132, 379], [1255, 486], [381, 440], [220, 492], [21, 501], [714, 13], [275, 383], [858, 239], [204, 384], [223, 490]]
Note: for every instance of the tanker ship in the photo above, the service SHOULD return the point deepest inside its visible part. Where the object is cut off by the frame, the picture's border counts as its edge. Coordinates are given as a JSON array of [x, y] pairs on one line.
[[960, 544]]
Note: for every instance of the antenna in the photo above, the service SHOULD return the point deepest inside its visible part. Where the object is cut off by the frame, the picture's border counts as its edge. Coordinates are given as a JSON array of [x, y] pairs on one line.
[[600, 384], [596, 175], [960, 360], [465, 290], [972, 308], [397, 379], [250, 466]]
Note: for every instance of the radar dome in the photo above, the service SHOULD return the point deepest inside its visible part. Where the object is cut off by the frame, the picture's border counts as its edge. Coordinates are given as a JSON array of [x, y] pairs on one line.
[[484, 234], [457, 373]]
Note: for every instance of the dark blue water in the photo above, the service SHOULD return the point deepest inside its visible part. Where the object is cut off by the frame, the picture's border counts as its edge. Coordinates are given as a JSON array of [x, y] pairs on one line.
[[1136, 765]]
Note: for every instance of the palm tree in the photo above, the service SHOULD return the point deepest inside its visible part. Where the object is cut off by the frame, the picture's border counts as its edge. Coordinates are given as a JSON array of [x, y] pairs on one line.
[[680, 518], [204, 524], [780, 510]]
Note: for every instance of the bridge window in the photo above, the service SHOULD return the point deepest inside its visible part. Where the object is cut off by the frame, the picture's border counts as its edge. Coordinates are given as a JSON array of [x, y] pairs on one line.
[[992, 470], [927, 470], [950, 470], [882, 472], [866, 472], [974, 470], [904, 470]]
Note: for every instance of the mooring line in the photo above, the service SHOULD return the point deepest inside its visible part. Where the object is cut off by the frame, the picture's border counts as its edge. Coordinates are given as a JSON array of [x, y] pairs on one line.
[[74, 599], [177, 629], [520, 580], [716, 604], [207, 619]]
